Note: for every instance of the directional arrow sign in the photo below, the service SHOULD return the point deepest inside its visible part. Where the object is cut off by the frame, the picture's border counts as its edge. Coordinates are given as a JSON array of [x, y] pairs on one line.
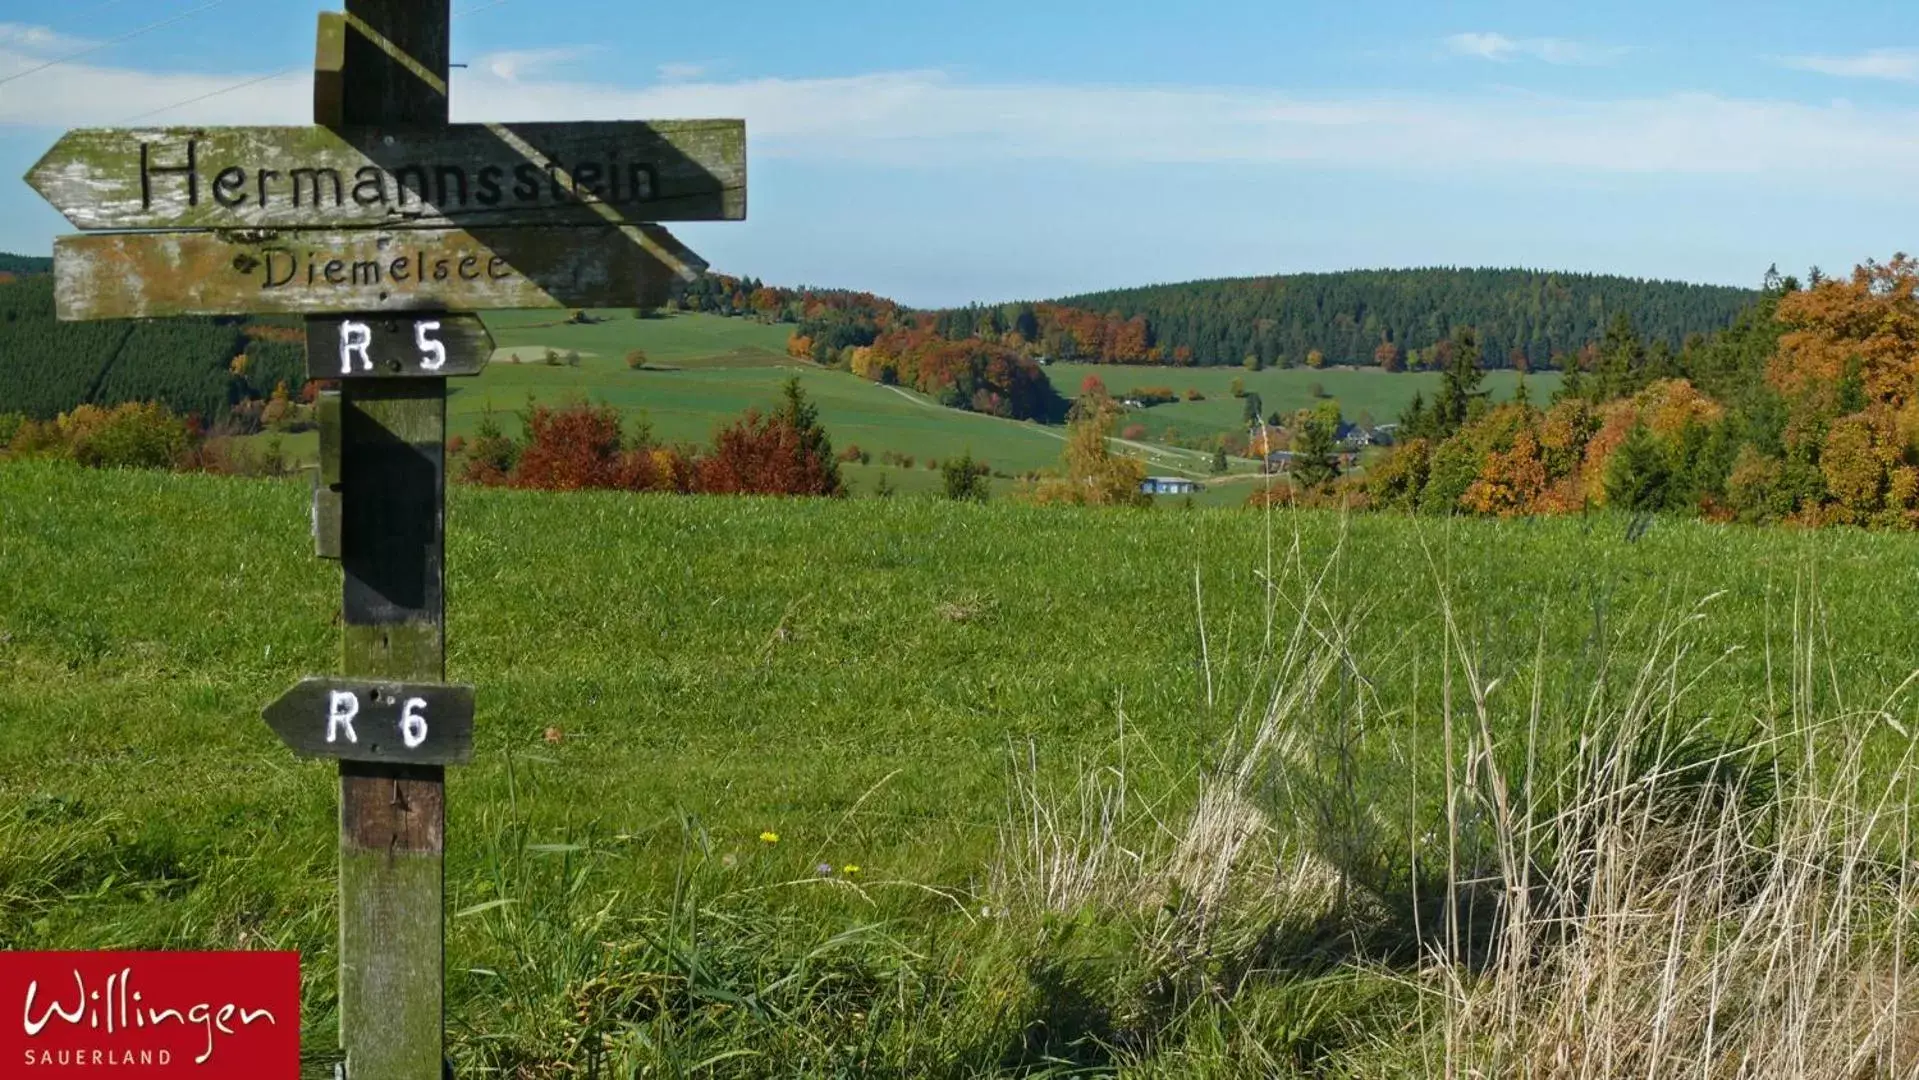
[[466, 174], [150, 275], [368, 720], [419, 345]]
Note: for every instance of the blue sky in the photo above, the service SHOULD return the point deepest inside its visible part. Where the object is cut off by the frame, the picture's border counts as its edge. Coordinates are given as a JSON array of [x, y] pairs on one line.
[[947, 152]]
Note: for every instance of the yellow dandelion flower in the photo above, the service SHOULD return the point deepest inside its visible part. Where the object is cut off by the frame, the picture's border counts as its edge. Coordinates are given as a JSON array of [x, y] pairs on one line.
[[769, 837], [850, 868]]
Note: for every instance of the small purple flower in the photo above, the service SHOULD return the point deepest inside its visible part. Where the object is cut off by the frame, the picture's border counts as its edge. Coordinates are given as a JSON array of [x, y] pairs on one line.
[[824, 869]]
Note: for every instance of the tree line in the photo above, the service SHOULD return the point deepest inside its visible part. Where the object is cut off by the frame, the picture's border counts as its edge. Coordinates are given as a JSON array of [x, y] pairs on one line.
[[988, 357], [1806, 410], [200, 367], [24, 264], [1522, 318], [878, 340]]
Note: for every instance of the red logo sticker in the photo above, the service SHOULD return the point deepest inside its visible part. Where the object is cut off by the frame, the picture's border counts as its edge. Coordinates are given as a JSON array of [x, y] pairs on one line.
[[207, 1015]]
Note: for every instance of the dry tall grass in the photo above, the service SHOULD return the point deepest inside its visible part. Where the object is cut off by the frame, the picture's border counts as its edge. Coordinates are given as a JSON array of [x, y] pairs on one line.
[[1628, 890], [1685, 905]]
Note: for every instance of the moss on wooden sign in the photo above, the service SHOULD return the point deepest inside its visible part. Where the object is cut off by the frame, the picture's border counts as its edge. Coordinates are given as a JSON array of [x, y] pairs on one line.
[[618, 172], [151, 275]]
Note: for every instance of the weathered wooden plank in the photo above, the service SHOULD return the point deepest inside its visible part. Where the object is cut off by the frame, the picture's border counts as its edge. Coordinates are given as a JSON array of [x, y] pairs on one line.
[[151, 275], [419, 345], [329, 68], [392, 463], [396, 63], [326, 519], [392, 817], [326, 416], [570, 173], [393, 478], [391, 942], [414, 723]]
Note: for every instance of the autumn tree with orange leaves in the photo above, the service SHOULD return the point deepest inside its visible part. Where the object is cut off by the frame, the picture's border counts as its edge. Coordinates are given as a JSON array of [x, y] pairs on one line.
[[1848, 369]]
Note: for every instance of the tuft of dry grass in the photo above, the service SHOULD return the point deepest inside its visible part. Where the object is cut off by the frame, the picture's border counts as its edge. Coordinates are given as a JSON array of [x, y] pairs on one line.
[[1685, 906], [1610, 887]]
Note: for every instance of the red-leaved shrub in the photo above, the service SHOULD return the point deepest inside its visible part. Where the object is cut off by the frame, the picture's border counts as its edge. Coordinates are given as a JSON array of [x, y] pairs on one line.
[[764, 454], [570, 448], [580, 446]]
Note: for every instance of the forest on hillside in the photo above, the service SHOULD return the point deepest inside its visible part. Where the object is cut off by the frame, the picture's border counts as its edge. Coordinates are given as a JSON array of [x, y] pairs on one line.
[[1806, 409], [1522, 317], [25, 264], [195, 366], [988, 358], [982, 358]]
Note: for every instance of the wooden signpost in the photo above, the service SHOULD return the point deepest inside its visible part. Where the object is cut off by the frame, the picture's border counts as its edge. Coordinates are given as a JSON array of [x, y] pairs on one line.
[[365, 720], [618, 172], [149, 275], [385, 225], [415, 345]]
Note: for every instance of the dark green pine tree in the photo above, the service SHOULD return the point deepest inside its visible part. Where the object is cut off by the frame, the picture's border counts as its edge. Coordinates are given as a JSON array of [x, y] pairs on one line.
[[804, 416], [1572, 382], [964, 479], [1459, 389], [1661, 362], [1252, 409], [1639, 478], [1416, 422], [1622, 360], [1314, 464]]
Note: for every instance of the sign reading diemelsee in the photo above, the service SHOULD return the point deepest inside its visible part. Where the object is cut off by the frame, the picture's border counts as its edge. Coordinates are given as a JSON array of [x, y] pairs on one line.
[[207, 1015], [326, 272]]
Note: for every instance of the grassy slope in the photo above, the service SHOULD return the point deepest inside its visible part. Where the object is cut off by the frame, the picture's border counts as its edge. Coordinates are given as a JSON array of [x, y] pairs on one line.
[[728, 365], [1359, 390], [710, 369], [849, 674]]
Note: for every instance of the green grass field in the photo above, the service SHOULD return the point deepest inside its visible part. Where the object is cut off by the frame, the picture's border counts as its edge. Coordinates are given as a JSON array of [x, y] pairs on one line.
[[1363, 393], [716, 369], [704, 370], [868, 680]]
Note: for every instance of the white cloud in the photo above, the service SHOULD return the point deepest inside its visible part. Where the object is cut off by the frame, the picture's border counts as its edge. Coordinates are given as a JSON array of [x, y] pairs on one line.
[[926, 118], [1489, 46], [72, 95], [1901, 65], [516, 65], [39, 41], [681, 71]]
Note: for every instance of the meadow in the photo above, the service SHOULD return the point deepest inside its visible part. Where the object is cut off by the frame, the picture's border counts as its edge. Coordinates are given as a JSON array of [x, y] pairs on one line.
[[702, 370], [1365, 395], [908, 787]]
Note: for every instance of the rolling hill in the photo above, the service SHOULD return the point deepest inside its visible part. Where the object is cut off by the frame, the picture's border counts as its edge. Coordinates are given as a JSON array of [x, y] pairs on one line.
[[697, 370], [1347, 315]]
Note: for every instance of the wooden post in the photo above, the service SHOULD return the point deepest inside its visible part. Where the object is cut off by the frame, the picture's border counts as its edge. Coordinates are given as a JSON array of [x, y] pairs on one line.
[[390, 63], [393, 323]]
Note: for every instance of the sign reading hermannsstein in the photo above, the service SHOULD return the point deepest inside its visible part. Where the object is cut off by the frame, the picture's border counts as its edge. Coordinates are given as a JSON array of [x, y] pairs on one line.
[[466, 174]]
